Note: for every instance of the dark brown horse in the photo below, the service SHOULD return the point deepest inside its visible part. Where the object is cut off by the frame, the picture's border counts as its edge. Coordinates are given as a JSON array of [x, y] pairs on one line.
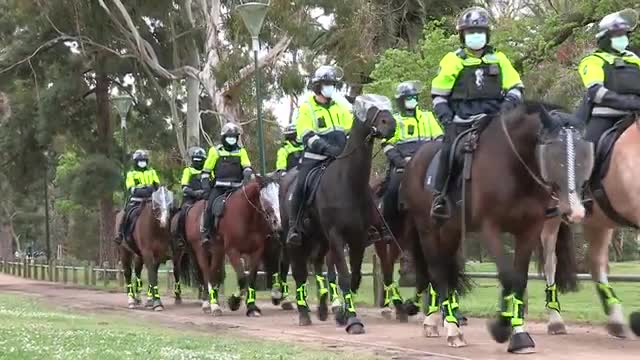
[[523, 161], [251, 220], [151, 242]]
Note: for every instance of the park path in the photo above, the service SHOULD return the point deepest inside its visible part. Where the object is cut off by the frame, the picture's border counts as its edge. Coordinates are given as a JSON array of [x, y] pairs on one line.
[[388, 339]]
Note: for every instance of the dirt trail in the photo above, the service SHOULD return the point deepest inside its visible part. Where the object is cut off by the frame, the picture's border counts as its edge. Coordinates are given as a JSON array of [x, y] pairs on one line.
[[388, 339]]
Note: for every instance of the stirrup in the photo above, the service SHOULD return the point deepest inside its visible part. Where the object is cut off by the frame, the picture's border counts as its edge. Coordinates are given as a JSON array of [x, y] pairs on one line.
[[439, 207], [294, 238]]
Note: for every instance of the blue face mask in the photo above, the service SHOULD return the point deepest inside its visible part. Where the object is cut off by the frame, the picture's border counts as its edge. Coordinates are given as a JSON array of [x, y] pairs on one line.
[[327, 91], [620, 43], [410, 104], [475, 41]]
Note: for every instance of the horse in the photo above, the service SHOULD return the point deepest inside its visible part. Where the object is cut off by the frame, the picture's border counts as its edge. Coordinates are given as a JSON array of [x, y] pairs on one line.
[[151, 245], [339, 214], [251, 220], [615, 205], [523, 161]]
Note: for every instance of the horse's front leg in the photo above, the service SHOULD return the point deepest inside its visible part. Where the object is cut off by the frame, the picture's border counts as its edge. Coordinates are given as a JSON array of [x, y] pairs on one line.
[[235, 300], [321, 282], [152, 268], [347, 316], [138, 264], [598, 240], [254, 261], [126, 260], [215, 273], [177, 287], [549, 238], [284, 264], [299, 256], [334, 294]]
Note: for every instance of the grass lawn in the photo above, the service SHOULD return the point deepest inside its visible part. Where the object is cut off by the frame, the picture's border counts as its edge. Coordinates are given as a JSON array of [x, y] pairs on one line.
[[30, 330]]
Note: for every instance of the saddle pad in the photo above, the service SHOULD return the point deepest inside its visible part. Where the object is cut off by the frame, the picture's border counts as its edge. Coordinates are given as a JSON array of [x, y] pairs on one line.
[[432, 172], [217, 208]]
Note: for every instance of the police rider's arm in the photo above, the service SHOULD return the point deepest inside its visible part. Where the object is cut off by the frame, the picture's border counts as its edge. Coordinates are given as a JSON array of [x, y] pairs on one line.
[[185, 181], [281, 161], [442, 85], [208, 168], [391, 152], [155, 180], [247, 171], [592, 74], [305, 131], [130, 182], [511, 83], [435, 129]]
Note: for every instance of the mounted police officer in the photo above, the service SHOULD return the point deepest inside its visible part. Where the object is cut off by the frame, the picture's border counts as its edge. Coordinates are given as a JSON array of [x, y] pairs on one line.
[[611, 75], [192, 189], [322, 127], [290, 152], [414, 127], [226, 167], [141, 182], [473, 82]]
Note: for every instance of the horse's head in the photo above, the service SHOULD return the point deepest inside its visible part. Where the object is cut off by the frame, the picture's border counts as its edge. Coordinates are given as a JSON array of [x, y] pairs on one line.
[[566, 161], [162, 200], [270, 201], [375, 112]]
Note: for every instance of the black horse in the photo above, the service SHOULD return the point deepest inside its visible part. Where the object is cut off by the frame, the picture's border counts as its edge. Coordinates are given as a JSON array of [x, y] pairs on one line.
[[339, 214]]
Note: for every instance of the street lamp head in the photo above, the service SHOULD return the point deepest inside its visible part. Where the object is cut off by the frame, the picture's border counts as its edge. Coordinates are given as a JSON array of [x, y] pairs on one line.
[[122, 103], [253, 14]]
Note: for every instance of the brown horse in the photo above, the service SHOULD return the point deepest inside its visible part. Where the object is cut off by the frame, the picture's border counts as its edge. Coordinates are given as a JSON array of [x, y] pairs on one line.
[[250, 222], [621, 187], [151, 245], [522, 161]]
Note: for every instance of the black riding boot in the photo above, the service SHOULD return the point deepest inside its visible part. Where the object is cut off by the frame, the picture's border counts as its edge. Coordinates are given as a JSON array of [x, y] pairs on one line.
[[180, 229], [294, 237], [439, 207], [206, 224]]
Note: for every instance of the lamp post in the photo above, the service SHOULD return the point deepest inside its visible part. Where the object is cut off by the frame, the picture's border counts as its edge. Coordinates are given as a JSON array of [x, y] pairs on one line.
[[122, 104], [253, 14], [46, 205]]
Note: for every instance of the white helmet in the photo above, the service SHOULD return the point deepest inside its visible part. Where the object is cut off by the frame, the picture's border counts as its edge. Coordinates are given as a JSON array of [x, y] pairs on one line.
[[230, 129], [624, 20]]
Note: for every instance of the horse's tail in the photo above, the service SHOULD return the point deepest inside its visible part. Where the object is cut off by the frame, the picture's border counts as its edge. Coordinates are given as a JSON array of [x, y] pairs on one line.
[[189, 266]]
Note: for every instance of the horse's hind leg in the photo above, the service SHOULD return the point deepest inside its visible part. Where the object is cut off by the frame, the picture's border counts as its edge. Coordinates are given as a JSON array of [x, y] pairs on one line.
[[321, 284], [598, 240], [299, 256], [125, 258], [215, 277], [334, 294], [549, 237], [138, 265], [152, 269], [348, 314], [285, 264], [236, 299], [252, 308], [177, 287]]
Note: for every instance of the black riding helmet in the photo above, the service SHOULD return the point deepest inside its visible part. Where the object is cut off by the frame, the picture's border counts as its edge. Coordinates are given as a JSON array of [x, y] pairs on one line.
[[198, 156], [138, 156], [407, 90], [474, 19], [290, 133]]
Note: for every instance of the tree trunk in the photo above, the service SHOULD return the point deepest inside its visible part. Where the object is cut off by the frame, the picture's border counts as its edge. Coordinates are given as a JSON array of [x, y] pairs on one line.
[[104, 147], [193, 100]]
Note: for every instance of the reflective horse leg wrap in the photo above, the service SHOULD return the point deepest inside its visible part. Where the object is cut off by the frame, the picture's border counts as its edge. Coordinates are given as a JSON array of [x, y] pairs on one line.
[[349, 303], [432, 301], [334, 291], [301, 296], [251, 296], [391, 293], [177, 289], [155, 292], [213, 296], [607, 296], [321, 285], [130, 290], [552, 297], [448, 311]]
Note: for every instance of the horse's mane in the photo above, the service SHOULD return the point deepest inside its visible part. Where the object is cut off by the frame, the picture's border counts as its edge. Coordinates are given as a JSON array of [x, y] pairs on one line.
[[545, 111]]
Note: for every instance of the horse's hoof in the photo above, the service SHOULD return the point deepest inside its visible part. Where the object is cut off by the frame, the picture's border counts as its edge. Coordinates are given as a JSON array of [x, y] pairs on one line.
[[137, 301], [234, 302], [177, 301], [634, 321], [206, 307], [456, 341], [304, 319], [500, 330], [430, 331], [386, 313], [276, 297], [411, 308], [131, 306], [556, 328], [215, 310], [401, 315], [158, 308], [616, 330], [354, 326], [521, 343], [323, 309], [254, 313], [286, 305], [149, 303], [340, 317]]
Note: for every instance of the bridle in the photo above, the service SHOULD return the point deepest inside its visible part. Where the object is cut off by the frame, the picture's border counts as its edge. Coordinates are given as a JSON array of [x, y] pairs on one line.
[[259, 209], [373, 132]]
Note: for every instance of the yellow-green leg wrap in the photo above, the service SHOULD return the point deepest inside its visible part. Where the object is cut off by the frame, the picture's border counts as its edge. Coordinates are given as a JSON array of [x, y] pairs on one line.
[[213, 296], [322, 287], [137, 285], [432, 301], [301, 295], [149, 292], [275, 281], [518, 312], [130, 290], [285, 289], [607, 296], [155, 292], [334, 291], [506, 306], [177, 289], [455, 305], [251, 296], [448, 313], [552, 297], [349, 302]]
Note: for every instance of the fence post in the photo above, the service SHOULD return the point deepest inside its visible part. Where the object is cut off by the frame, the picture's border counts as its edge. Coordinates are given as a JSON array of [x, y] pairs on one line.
[[56, 273], [50, 270], [74, 275], [86, 274], [105, 275], [34, 269], [64, 273], [377, 282], [92, 269], [120, 276]]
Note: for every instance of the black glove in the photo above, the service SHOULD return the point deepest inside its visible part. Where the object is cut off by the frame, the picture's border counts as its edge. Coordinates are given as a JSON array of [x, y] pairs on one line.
[[199, 194], [443, 110], [206, 184], [187, 191], [508, 105], [333, 151], [396, 159]]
